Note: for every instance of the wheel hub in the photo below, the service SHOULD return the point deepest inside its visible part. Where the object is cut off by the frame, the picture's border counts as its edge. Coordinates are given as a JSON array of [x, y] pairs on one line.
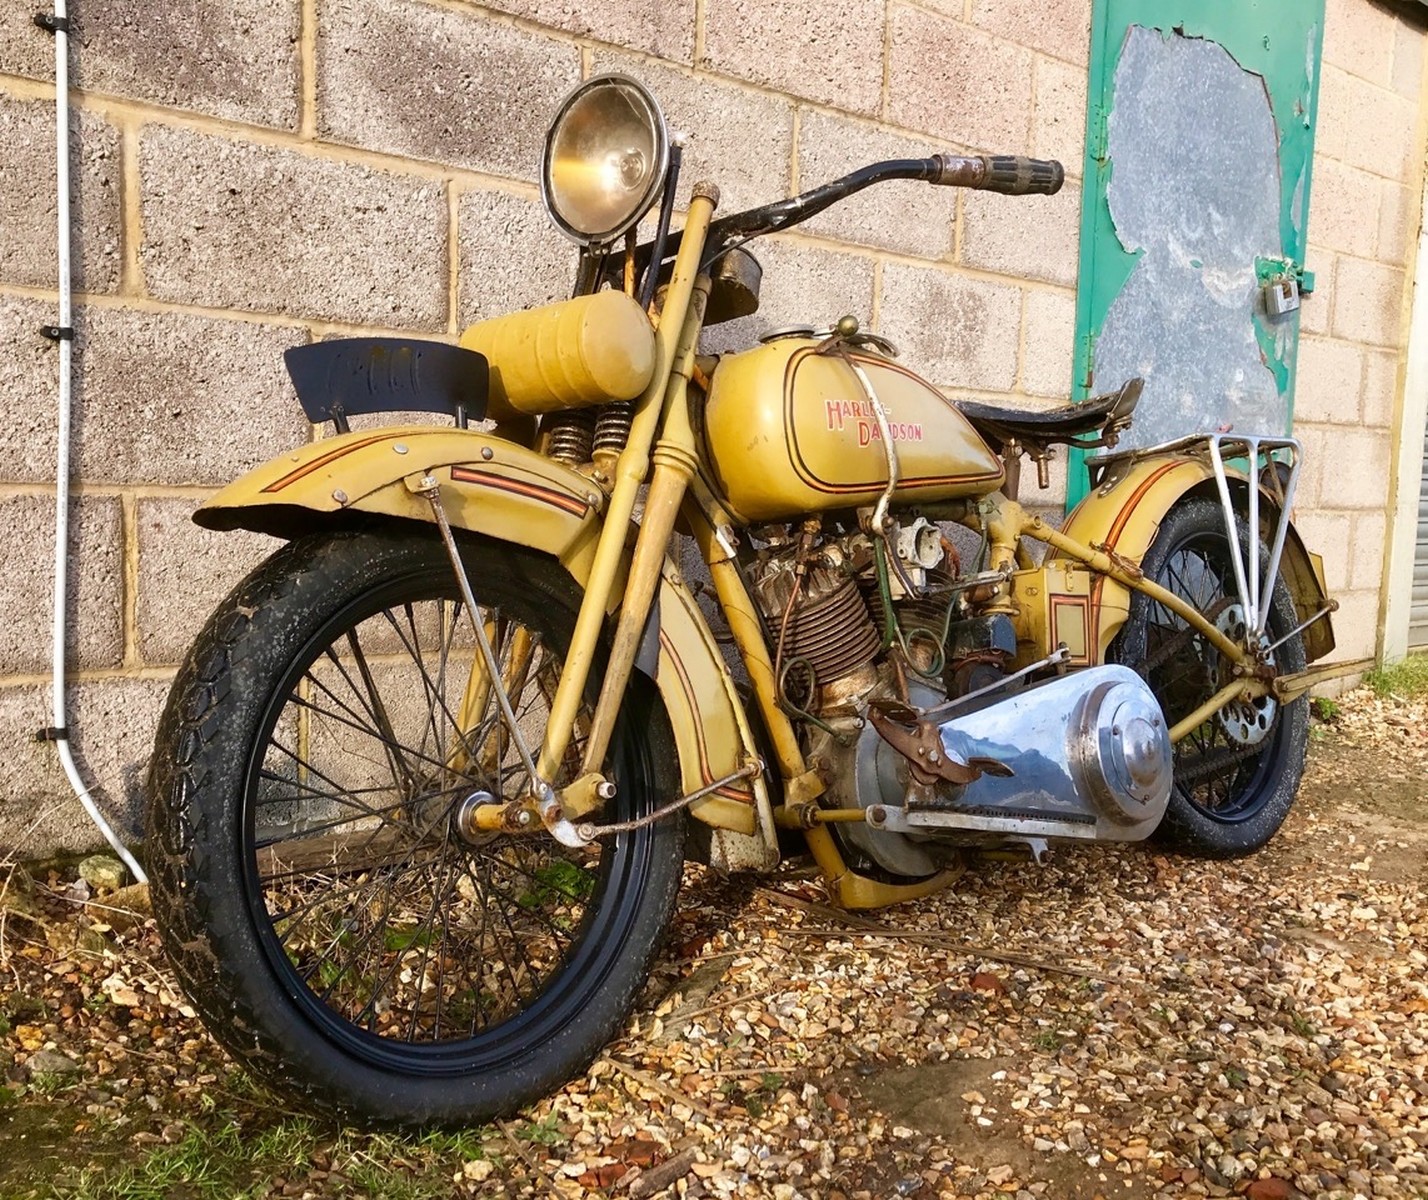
[[1246, 722], [463, 818]]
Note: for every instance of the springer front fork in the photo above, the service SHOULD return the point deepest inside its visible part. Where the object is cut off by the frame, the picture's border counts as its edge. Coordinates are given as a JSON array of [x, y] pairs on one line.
[[660, 434]]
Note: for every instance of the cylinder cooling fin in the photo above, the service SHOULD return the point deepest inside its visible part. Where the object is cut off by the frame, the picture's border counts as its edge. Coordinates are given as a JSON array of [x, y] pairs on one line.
[[834, 633], [821, 624]]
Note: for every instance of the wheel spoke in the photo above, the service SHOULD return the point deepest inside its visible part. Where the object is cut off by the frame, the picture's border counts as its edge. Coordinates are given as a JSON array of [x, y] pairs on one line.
[[318, 710], [1212, 770], [428, 684], [387, 918]]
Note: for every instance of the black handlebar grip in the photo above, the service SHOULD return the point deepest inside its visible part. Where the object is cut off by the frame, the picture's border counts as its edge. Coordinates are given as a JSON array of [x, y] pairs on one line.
[[1009, 174], [1013, 175]]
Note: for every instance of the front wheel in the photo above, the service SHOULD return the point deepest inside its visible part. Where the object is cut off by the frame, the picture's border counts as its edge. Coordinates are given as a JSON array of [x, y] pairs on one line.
[[330, 914], [1236, 776]]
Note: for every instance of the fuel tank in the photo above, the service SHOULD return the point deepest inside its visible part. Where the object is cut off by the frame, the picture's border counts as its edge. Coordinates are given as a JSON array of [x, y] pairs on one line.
[[788, 431]]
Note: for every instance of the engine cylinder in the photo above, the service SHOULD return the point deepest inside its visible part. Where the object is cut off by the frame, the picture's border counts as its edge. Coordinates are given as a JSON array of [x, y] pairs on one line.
[[829, 634], [834, 633]]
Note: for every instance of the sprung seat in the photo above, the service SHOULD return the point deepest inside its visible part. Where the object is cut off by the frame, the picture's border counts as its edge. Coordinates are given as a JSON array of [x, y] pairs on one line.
[[1090, 425], [1106, 415]]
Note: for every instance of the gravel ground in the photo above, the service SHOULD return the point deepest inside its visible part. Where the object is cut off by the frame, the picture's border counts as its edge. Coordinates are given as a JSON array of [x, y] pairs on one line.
[[1118, 1023]]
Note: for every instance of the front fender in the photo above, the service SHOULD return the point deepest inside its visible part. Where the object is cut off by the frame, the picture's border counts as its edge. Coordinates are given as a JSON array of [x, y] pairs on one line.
[[1124, 514], [506, 492], [495, 488]]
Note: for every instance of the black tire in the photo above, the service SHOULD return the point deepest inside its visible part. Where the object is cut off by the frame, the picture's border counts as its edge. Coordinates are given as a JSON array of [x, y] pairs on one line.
[[1231, 793], [304, 856]]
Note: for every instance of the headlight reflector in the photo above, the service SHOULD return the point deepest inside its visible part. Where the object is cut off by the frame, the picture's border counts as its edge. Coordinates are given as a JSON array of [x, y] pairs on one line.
[[605, 158]]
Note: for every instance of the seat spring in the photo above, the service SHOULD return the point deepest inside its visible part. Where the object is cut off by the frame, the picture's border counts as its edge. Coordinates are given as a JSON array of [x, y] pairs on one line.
[[612, 430], [572, 436]]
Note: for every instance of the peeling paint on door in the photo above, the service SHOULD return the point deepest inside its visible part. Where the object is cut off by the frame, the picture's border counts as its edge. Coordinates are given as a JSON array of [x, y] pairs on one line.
[[1199, 147], [1195, 194]]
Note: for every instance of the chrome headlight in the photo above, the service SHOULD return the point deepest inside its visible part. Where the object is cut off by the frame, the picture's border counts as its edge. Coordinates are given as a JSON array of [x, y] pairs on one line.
[[605, 159]]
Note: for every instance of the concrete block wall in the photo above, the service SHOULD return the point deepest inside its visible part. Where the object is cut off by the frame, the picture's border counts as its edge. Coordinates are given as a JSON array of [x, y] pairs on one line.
[[1363, 226], [280, 170], [254, 174]]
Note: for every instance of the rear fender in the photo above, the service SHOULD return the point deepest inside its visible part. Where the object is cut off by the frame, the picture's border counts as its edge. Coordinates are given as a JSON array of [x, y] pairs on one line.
[[1124, 515], [506, 492]]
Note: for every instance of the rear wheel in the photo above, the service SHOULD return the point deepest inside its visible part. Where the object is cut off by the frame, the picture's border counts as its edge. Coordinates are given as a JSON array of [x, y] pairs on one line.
[[1236, 776], [322, 900]]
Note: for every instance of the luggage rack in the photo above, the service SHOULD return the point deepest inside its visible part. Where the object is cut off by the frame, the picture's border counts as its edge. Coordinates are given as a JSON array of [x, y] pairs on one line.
[[1279, 475]]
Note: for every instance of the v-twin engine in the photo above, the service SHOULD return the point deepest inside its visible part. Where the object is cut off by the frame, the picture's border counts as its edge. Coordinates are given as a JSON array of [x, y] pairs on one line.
[[1084, 756]]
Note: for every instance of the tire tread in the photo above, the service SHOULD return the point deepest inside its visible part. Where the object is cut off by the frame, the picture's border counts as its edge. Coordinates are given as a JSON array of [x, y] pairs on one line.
[[193, 889]]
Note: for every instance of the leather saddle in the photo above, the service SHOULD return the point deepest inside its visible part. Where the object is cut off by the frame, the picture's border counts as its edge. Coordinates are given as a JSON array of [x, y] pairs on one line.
[[1094, 423]]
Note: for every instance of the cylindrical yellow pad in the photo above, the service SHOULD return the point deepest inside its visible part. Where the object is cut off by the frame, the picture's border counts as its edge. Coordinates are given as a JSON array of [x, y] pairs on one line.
[[589, 350]]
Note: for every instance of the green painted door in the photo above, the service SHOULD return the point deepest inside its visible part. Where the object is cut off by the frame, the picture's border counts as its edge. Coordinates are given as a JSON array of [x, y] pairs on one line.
[[1199, 146]]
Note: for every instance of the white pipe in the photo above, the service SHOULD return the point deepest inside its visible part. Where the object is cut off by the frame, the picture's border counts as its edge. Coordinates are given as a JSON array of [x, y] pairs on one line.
[[66, 347]]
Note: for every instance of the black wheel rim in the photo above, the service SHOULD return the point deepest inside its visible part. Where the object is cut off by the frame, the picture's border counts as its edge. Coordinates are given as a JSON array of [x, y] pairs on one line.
[[1226, 781], [411, 947]]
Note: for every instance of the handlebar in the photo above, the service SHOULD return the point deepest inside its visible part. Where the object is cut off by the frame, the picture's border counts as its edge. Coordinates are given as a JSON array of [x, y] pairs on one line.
[[1010, 175]]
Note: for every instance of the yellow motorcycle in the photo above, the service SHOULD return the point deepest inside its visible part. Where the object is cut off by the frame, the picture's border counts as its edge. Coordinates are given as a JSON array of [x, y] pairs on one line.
[[426, 783]]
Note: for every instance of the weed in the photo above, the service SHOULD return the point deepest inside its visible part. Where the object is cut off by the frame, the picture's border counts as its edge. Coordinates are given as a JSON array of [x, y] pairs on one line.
[[329, 973], [1235, 1077], [1302, 1026], [1407, 678], [238, 1083], [1325, 709], [224, 1159], [290, 1142], [545, 1132], [50, 1083], [463, 1144], [557, 881], [204, 1164], [1048, 1041], [407, 938], [21, 1008], [371, 1177]]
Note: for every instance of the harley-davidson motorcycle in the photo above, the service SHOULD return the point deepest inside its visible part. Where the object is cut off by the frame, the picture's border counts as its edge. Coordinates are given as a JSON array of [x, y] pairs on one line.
[[425, 786]]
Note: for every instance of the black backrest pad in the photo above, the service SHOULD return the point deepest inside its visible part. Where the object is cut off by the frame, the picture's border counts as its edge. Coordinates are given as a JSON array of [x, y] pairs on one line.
[[347, 377]]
